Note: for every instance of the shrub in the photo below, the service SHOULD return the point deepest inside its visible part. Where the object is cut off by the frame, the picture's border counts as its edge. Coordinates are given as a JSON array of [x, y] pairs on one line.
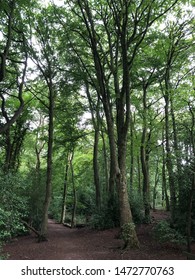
[[164, 233], [137, 207], [107, 217], [2, 255], [13, 206]]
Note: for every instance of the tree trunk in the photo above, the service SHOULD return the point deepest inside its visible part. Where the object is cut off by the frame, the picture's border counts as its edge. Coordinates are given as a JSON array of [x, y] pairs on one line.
[[131, 154], [48, 188], [177, 152], [165, 196], [169, 164], [106, 191], [73, 220], [117, 144], [189, 212], [156, 180], [96, 169], [96, 125], [139, 175], [146, 188], [192, 171], [63, 213], [144, 151], [126, 220]]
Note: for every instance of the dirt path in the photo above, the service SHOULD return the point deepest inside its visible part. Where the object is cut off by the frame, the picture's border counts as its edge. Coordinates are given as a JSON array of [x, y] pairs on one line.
[[86, 244]]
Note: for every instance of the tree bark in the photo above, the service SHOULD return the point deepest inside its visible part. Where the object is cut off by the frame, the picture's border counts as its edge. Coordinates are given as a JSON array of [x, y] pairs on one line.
[[106, 191], [192, 174], [63, 212], [144, 152], [73, 220], [96, 125], [48, 187], [169, 163], [164, 181]]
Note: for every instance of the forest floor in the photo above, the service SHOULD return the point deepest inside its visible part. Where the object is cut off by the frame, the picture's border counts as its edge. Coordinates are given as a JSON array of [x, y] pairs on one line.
[[87, 244]]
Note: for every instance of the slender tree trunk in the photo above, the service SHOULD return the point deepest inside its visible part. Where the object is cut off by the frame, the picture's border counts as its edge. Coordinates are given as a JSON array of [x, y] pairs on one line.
[[63, 212], [96, 125], [169, 163], [156, 180], [131, 154], [144, 152], [73, 220], [177, 152], [105, 164], [96, 169], [139, 175], [164, 184], [145, 171], [48, 189]]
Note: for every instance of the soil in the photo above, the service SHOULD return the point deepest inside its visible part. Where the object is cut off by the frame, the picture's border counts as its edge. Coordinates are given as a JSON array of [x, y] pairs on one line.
[[86, 244]]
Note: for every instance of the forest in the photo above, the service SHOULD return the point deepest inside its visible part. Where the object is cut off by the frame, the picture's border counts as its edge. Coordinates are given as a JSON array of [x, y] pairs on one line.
[[97, 119]]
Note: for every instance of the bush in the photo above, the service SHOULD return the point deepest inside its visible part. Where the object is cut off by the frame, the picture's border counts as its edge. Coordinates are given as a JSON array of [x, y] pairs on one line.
[[164, 233], [35, 193], [136, 202], [13, 206], [107, 217], [2, 255]]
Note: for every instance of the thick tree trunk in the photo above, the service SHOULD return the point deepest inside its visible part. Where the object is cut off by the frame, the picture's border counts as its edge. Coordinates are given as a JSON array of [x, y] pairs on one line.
[[126, 220], [189, 212], [192, 171]]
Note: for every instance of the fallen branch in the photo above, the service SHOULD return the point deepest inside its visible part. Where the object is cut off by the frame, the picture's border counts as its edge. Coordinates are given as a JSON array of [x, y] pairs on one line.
[[31, 228]]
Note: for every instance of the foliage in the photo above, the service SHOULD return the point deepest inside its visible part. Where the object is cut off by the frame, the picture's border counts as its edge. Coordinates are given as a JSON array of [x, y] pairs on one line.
[[13, 205], [106, 217], [137, 207], [165, 233], [128, 236], [2, 255], [35, 197]]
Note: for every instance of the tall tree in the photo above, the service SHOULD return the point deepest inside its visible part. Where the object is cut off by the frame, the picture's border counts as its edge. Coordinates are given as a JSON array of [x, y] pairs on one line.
[[113, 32], [45, 60]]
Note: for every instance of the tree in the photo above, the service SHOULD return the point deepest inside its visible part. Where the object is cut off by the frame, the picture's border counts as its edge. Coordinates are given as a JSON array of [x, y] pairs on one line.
[[46, 62], [113, 33]]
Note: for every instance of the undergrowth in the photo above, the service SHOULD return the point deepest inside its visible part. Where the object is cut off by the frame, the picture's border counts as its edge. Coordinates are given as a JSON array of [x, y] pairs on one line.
[[165, 233]]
